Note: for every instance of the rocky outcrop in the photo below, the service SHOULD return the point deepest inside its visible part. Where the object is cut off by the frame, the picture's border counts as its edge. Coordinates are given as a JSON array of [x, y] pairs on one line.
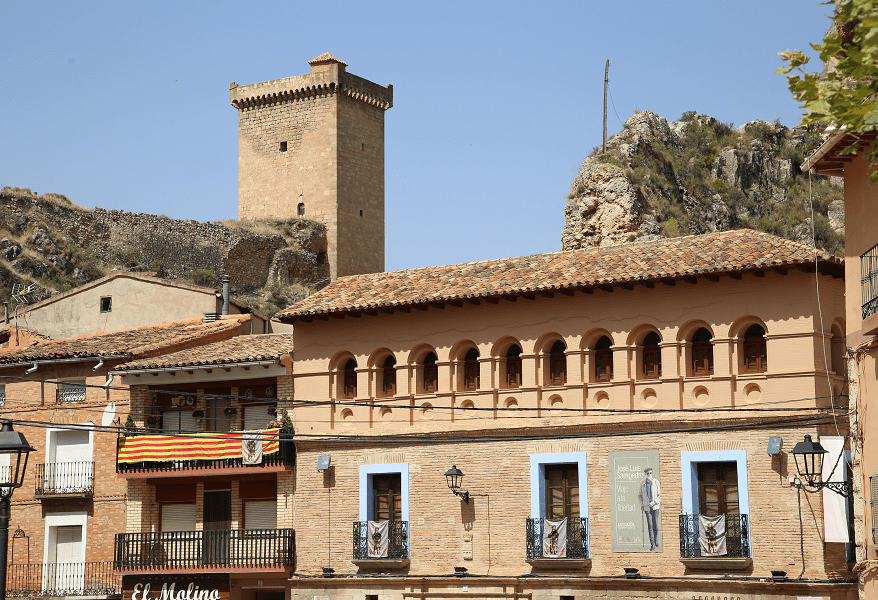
[[697, 175], [60, 245]]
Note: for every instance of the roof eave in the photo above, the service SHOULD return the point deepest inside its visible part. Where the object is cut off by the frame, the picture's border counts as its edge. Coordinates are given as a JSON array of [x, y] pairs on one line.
[[587, 287]]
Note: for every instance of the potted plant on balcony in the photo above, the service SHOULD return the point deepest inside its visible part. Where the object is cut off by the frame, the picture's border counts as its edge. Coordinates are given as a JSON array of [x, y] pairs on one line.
[[130, 427]]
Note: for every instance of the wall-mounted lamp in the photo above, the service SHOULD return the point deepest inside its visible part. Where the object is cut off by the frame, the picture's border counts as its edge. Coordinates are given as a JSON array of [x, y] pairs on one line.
[[809, 463], [631, 573], [778, 576], [460, 571], [328, 571], [454, 478], [323, 462]]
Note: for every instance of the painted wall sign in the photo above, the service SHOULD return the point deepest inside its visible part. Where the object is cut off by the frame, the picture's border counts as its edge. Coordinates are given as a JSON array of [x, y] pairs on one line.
[[635, 501], [172, 587]]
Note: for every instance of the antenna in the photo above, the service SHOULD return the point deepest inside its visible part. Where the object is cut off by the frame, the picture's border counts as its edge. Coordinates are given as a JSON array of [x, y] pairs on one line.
[[25, 294], [606, 83]]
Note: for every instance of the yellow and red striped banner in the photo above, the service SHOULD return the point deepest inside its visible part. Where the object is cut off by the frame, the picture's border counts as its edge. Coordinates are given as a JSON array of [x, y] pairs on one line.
[[201, 446]]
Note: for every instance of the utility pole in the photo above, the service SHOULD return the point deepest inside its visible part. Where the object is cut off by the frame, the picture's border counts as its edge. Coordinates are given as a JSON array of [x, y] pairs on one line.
[[606, 83]]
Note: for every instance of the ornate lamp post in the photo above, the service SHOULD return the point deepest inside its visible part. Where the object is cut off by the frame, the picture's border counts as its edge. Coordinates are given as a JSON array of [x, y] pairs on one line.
[[13, 444], [809, 464], [454, 478]]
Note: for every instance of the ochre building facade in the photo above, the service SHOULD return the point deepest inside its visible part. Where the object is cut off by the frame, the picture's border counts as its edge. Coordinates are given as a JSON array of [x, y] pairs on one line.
[[553, 383]]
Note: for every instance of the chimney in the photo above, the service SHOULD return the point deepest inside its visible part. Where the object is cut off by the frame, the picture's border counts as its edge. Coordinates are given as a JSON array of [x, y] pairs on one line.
[[227, 285]]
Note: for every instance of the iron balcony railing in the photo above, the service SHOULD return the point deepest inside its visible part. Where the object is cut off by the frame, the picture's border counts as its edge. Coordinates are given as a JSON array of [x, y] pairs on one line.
[[206, 550], [737, 536], [397, 541], [284, 456], [869, 281], [74, 478], [62, 579], [72, 393], [577, 538]]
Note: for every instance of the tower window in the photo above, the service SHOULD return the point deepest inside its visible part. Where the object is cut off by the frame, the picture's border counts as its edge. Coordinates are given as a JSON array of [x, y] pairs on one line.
[[361, 213], [106, 304], [301, 210], [283, 146]]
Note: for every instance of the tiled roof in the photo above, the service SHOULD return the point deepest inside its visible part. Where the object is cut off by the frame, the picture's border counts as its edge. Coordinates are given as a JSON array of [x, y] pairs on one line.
[[674, 258], [326, 57], [126, 342], [245, 348]]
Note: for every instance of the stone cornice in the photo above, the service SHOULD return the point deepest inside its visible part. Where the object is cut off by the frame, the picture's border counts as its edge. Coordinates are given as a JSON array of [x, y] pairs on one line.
[[305, 86]]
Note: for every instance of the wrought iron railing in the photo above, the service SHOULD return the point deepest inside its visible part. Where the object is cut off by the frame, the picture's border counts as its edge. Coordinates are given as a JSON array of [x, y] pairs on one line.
[[65, 478], [211, 550], [62, 579], [286, 456], [70, 393], [577, 538], [737, 536], [869, 281], [397, 540]]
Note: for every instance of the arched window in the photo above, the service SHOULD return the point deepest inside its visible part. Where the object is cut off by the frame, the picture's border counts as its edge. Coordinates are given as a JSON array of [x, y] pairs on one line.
[[603, 359], [755, 358], [702, 352], [558, 364], [471, 370], [301, 210], [388, 377], [513, 366], [431, 374], [350, 379], [652, 356]]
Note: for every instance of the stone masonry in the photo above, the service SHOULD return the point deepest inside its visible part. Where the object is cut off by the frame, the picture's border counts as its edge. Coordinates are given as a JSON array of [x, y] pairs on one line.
[[312, 146]]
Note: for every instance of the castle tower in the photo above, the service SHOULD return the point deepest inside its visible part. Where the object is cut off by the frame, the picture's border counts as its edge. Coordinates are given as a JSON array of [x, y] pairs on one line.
[[312, 146]]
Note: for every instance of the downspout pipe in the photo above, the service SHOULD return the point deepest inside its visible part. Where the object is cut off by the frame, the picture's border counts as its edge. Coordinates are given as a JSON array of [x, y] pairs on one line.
[[227, 292]]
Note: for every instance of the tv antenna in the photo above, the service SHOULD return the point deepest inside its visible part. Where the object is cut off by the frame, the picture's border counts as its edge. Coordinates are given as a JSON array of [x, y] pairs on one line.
[[25, 294]]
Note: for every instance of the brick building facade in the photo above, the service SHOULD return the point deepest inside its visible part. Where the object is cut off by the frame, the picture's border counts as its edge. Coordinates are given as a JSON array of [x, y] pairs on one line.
[[64, 518], [552, 382], [312, 146]]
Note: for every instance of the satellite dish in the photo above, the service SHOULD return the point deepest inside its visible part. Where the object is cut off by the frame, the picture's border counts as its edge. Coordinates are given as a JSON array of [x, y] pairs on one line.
[[109, 415]]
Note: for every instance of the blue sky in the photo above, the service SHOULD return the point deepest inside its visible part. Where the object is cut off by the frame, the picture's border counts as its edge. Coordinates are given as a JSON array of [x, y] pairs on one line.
[[125, 105]]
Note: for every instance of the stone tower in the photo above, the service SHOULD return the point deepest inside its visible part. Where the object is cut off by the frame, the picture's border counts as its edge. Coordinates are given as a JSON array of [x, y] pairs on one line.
[[312, 146]]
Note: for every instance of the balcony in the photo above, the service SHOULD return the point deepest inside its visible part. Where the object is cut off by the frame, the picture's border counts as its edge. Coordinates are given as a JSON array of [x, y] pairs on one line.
[[371, 553], [62, 579], [70, 393], [737, 555], [64, 480], [222, 551], [202, 454], [571, 553]]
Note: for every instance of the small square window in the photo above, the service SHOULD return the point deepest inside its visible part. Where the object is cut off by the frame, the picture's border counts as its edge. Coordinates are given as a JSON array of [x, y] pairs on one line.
[[106, 304], [283, 146], [568, 597], [371, 596]]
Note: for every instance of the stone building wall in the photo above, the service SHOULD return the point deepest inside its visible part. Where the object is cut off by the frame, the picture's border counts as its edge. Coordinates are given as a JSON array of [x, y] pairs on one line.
[[52, 230]]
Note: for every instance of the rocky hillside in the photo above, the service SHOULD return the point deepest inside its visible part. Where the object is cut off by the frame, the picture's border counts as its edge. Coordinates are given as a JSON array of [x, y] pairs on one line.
[[52, 242], [698, 175]]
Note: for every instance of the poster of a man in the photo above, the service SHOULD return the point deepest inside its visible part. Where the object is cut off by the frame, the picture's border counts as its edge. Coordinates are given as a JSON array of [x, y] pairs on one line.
[[650, 497]]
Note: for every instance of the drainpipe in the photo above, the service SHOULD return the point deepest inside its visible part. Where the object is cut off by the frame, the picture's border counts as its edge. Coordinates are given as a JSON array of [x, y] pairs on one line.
[[227, 284], [6, 313]]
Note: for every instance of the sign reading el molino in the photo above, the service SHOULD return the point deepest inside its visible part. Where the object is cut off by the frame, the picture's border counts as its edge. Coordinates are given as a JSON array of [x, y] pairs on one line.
[[175, 587]]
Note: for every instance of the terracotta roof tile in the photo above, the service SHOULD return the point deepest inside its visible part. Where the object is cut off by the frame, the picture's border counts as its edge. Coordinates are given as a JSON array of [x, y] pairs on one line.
[[325, 58], [728, 251], [125, 342], [245, 348]]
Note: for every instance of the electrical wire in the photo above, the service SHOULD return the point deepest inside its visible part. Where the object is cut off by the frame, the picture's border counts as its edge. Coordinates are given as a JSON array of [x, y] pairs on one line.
[[614, 105]]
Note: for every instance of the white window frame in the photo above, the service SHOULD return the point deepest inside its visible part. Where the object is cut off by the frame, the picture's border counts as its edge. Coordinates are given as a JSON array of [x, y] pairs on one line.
[[689, 462], [538, 463], [51, 446], [63, 519]]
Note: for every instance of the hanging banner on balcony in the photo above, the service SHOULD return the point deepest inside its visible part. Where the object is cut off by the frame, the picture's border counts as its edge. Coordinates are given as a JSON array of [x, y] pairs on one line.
[[175, 587], [635, 501], [201, 446]]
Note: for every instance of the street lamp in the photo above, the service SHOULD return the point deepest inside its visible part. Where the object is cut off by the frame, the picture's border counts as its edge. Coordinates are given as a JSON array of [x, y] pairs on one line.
[[809, 463], [13, 444], [454, 478]]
